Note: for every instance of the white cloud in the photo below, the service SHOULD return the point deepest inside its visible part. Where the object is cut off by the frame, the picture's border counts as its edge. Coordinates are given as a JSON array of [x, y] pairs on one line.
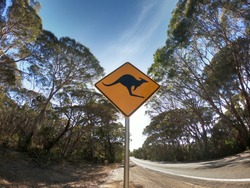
[[136, 27], [136, 39]]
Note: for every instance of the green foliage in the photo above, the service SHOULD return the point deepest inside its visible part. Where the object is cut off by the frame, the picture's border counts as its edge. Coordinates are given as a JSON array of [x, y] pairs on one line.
[[204, 69], [223, 70], [66, 119], [173, 130], [225, 140], [19, 28], [8, 72]]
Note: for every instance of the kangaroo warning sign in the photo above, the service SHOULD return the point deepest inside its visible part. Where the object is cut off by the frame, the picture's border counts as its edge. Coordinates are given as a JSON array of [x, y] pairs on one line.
[[127, 88]]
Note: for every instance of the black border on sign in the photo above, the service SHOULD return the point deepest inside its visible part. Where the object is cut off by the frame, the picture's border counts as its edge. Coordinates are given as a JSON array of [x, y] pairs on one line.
[[128, 115]]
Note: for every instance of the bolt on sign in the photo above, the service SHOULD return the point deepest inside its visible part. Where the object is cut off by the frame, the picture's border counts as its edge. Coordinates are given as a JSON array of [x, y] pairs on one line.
[[127, 88]]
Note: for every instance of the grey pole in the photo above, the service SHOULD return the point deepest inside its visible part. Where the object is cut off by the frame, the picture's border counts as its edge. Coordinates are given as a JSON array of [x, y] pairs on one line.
[[126, 156]]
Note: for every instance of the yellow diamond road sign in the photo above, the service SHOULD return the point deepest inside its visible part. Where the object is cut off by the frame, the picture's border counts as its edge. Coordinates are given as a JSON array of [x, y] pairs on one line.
[[127, 88]]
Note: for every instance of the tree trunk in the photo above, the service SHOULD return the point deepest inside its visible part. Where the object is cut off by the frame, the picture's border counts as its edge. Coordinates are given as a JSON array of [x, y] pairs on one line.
[[50, 144]]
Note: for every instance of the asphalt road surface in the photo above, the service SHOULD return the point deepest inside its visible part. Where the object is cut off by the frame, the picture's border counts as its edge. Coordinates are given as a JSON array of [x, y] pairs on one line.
[[231, 169], [230, 172]]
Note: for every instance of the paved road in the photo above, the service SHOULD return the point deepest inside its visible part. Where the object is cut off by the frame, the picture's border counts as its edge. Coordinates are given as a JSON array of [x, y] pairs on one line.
[[230, 172], [231, 169]]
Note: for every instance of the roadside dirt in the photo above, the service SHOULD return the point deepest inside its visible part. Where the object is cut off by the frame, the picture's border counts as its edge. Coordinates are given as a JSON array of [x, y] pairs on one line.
[[115, 179], [19, 171]]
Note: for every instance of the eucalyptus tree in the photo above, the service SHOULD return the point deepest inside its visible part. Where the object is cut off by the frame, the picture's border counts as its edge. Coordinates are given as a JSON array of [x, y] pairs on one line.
[[94, 133], [228, 86], [59, 65], [103, 134], [162, 137], [174, 130], [62, 65], [8, 120], [207, 56], [110, 133], [20, 25]]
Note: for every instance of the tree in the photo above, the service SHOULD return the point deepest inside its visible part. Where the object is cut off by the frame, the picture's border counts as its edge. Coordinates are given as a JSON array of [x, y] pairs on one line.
[[224, 139], [227, 82], [19, 28], [59, 66], [206, 57], [63, 65], [174, 130], [56, 113]]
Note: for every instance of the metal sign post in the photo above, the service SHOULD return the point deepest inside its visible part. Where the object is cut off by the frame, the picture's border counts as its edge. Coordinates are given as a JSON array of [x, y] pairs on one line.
[[126, 156]]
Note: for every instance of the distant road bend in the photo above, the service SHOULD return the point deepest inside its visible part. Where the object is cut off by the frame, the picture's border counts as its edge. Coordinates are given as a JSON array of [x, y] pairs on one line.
[[230, 169]]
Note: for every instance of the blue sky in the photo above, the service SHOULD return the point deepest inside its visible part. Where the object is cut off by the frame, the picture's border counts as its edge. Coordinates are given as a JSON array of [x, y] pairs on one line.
[[115, 31]]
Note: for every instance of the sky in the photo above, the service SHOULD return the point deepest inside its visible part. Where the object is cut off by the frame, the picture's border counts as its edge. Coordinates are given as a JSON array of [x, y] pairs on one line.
[[115, 31]]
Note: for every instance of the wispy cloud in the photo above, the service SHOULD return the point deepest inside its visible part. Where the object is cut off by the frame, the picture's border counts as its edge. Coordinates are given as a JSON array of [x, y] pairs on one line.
[[139, 23], [137, 37], [135, 40]]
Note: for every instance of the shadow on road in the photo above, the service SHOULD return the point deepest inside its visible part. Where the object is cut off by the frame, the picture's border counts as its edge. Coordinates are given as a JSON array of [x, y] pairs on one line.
[[243, 158]]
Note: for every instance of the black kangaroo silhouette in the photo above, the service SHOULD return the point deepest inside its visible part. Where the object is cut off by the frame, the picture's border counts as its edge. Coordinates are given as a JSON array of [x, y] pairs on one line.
[[129, 81]]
